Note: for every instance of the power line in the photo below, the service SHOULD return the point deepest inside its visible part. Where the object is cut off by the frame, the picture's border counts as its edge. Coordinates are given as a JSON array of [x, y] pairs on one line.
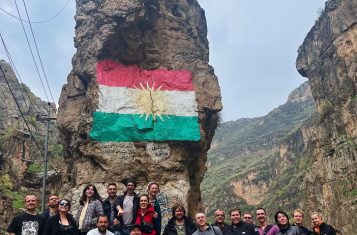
[[14, 69], [23, 117], [34, 107], [21, 87], [38, 53], [36, 22], [29, 45], [18, 106]]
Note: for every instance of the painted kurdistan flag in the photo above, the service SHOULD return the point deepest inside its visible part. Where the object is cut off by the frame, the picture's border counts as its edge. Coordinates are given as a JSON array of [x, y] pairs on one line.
[[144, 105]]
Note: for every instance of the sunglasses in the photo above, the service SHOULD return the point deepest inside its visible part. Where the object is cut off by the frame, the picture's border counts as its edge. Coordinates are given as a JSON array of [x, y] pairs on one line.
[[63, 203], [220, 215]]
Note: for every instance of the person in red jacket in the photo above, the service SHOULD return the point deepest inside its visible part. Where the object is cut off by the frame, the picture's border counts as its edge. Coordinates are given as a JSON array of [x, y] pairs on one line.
[[145, 216]]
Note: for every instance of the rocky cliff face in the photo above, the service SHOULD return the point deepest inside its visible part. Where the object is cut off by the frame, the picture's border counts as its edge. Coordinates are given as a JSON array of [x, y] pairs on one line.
[[243, 162], [20, 157], [313, 166], [141, 36], [328, 59]]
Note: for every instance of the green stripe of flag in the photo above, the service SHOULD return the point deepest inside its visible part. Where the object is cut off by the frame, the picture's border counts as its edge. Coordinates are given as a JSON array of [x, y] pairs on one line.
[[131, 127]]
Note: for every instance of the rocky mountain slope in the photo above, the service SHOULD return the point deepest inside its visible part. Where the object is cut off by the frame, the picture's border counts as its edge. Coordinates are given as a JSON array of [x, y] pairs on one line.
[[243, 153], [313, 166], [20, 156]]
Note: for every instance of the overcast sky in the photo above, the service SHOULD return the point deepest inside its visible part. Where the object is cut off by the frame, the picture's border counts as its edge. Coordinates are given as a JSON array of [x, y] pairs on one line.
[[253, 47]]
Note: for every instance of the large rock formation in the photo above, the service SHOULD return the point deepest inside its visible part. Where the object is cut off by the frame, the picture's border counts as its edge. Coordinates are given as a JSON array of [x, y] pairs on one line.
[[328, 58], [20, 157], [140, 37]]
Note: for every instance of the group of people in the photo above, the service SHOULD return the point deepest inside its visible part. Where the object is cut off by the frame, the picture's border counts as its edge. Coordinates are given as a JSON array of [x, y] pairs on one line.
[[242, 223], [133, 214]]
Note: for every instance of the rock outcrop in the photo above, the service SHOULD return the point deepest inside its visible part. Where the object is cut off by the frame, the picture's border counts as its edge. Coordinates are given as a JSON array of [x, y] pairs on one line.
[[144, 36], [20, 157], [328, 58]]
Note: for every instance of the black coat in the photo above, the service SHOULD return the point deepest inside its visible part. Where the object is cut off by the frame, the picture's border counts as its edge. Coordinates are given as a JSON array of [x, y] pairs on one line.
[[120, 201], [243, 228], [107, 208], [170, 228], [225, 229], [326, 229], [53, 227]]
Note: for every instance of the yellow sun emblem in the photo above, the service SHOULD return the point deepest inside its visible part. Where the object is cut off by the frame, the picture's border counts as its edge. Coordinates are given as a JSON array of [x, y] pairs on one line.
[[151, 102]]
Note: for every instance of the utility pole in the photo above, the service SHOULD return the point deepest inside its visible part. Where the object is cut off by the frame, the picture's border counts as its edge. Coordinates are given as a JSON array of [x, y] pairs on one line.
[[47, 119]]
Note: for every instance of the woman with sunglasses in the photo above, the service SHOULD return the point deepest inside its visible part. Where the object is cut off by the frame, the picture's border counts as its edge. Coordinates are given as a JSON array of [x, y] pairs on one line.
[[63, 222]]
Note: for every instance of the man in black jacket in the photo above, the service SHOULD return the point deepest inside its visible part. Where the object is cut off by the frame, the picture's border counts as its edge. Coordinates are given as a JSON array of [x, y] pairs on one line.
[[298, 216], [319, 227], [127, 206], [219, 217], [110, 209], [240, 227], [179, 224]]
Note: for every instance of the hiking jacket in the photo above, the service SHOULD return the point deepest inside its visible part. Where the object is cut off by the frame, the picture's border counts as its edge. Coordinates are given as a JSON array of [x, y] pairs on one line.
[[292, 230], [225, 229], [243, 228], [210, 230], [325, 229], [107, 209], [304, 230], [170, 228], [53, 226]]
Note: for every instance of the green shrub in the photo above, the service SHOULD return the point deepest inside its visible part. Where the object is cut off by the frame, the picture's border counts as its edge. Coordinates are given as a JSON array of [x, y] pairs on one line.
[[34, 168], [5, 182], [325, 107], [56, 149], [8, 132]]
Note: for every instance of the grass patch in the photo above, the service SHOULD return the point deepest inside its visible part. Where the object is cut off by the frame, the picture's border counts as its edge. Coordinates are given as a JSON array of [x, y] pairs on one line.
[[56, 149], [6, 187], [34, 168]]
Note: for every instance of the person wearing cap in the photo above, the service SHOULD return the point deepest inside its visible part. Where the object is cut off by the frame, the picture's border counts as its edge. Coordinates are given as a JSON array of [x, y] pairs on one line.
[[102, 226], [136, 230], [63, 222], [127, 207]]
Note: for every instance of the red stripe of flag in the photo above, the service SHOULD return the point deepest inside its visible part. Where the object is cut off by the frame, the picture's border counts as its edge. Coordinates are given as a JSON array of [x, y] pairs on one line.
[[114, 74]]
